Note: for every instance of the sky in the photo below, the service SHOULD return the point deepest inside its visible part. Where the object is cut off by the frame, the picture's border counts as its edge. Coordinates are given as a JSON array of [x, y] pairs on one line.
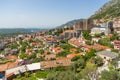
[[45, 13]]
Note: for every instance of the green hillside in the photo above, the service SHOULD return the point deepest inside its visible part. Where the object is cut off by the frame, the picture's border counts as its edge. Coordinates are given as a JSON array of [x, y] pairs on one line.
[[109, 11]]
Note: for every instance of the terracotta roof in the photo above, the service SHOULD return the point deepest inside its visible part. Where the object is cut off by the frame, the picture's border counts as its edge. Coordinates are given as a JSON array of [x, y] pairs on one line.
[[73, 49], [48, 57], [116, 41], [12, 57], [70, 31], [62, 58], [57, 49], [100, 47], [12, 65], [55, 63], [62, 34], [48, 38], [7, 66], [9, 75], [3, 67], [73, 55]]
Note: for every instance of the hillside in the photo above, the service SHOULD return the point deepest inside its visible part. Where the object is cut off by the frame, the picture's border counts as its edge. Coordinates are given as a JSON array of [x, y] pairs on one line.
[[108, 11], [70, 23]]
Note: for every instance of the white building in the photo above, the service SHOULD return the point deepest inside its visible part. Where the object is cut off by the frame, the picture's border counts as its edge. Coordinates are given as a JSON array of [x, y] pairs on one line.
[[100, 29]]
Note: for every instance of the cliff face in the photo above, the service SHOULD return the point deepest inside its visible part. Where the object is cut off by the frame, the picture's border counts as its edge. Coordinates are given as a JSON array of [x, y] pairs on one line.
[[108, 11]]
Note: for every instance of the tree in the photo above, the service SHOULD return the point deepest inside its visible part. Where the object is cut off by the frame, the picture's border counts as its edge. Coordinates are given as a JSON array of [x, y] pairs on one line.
[[90, 54], [59, 68], [41, 74], [110, 75], [114, 37], [89, 43], [23, 55], [105, 42], [75, 58], [63, 41], [63, 53], [114, 63], [38, 59], [27, 74], [96, 60], [89, 72], [32, 77], [78, 65], [62, 75], [40, 51], [86, 35]]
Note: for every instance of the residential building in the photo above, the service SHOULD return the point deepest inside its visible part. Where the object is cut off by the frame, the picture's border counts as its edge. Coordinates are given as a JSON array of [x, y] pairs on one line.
[[55, 50], [70, 34], [70, 56], [107, 55], [116, 44], [100, 29], [55, 63], [50, 57], [95, 39], [2, 45]]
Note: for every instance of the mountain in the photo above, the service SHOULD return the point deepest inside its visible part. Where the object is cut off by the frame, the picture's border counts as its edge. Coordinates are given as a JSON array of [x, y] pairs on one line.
[[70, 23], [108, 11]]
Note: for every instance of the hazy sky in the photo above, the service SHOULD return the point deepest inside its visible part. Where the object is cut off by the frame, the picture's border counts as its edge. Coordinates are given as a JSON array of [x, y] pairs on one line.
[[44, 13]]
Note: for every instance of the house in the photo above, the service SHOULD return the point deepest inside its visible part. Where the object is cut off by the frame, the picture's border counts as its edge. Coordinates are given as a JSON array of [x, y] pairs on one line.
[[2, 45], [107, 55], [116, 44], [4, 67], [95, 39], [100, 47], [2, 56], [84, 24], [67, 34], [24, 62], [7, 51], [70, 34], [48, 41], [73, 50], [50, 56], [11, 57], [116, 25], [103, 28], [34, 44], [77, 42], [61, 36], [70, 56], [29, 51], [11, 73], [74, 42], [14, 51], [56, 50], [55, 63]]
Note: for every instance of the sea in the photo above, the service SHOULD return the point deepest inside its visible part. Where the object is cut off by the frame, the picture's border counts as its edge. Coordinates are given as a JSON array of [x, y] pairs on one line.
[[19, 30]]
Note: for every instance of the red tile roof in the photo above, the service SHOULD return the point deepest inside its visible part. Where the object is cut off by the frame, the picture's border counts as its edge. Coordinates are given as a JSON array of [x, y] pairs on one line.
[[7, 66], [48, 38], [12, 57], [57, 49], [70, 31], [55, 63], [9, 75], [73, 55]]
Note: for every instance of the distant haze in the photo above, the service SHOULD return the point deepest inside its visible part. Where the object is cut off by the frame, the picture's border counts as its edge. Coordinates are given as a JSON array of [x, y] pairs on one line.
[[44, 13]]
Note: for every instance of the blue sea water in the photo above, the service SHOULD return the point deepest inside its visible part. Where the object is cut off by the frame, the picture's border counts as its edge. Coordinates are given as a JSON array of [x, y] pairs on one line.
[[19, 30]]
